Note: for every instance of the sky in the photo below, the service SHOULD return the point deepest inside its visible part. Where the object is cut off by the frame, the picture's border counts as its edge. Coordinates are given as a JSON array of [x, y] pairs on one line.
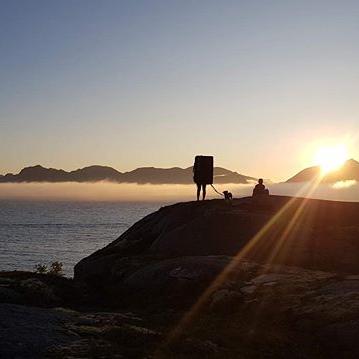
[[258, 84]]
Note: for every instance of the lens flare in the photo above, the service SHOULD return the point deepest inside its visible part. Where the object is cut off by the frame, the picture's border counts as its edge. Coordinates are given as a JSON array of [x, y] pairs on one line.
[[331, 158]]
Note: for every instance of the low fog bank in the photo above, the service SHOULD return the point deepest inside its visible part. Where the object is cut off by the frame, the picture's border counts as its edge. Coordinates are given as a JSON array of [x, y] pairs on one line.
[[100, 191], [106, 191], [339, 191]]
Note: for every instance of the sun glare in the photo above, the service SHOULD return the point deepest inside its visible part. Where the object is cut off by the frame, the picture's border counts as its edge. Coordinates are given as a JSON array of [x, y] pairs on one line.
[[331, 158]]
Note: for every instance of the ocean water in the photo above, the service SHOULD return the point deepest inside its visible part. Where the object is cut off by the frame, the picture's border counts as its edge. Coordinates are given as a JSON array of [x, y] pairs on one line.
[[33, 232]]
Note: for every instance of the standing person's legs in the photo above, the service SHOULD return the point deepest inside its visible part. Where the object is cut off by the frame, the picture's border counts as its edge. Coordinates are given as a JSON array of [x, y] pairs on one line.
[[204, 191], [198, 190]]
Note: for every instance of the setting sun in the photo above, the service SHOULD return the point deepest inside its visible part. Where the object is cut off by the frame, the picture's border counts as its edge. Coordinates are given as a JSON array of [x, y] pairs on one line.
[[331, 158]]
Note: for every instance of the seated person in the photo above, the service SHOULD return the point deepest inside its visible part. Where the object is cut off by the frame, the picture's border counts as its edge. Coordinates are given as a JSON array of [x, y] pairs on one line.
[[259, 189]]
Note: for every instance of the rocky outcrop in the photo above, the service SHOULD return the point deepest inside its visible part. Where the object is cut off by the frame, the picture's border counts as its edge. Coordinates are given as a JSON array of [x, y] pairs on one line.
[[263, 310], [38, 289], [257, 311], [198, 240], [27, 332], [213, 279]]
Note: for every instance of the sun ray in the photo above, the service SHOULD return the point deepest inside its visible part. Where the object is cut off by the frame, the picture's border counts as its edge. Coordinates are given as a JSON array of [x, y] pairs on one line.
[[286, 238], [295, 220], [191, 314]]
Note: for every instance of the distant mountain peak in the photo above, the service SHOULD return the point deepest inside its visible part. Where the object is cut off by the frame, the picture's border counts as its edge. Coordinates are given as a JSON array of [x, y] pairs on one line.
[[32, 168], [348, 171], [352, 161]]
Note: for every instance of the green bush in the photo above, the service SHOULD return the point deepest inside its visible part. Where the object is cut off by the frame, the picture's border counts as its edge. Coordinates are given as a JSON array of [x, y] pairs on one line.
[[54, 269], [41, 268]]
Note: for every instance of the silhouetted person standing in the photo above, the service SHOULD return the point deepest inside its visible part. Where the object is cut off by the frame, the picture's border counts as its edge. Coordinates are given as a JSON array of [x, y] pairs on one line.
[[202, 174], [199, 185]]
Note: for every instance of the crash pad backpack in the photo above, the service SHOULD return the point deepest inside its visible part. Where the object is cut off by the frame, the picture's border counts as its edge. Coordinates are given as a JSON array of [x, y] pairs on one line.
[[203, 170]]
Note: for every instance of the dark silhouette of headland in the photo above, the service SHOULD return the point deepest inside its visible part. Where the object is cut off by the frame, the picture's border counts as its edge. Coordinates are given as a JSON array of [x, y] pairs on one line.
[[241, 268], [309, 233]]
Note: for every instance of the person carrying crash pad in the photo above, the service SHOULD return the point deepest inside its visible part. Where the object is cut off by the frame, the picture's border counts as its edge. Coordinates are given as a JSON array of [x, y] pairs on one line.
[[202, 174]]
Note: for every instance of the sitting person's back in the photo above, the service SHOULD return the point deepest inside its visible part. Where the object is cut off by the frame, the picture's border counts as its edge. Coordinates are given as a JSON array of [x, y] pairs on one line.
[[260, 189]]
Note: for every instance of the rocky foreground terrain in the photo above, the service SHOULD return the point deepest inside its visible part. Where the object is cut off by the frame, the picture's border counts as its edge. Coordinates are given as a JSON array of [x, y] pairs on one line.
[[245, 279]]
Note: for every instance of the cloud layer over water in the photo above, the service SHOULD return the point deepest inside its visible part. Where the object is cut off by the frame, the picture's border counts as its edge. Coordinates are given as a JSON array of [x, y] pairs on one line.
[[105, 191]]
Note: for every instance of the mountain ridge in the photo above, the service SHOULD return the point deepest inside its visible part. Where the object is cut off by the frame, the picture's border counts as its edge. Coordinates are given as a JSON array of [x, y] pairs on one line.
[[141, 175], [348, 171]]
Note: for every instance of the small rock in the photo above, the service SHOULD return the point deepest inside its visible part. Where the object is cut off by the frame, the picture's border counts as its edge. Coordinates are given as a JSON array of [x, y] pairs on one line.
[[266, 278], [183, 273], [8, 295], [224, 298], [199, 347], [38, 291], [248, 289], [6, 281]]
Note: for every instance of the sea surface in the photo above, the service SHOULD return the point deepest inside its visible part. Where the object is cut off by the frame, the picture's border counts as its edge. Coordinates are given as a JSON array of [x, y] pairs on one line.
[[33, 232]]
